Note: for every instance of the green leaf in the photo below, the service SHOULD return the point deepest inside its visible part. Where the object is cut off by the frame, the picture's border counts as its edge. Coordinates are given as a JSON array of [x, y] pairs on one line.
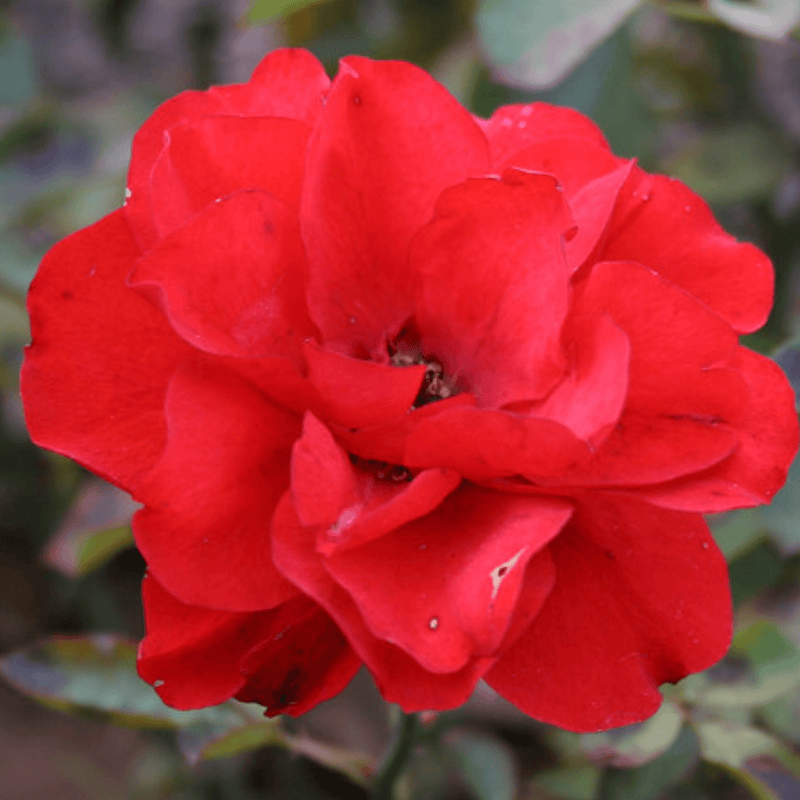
[[773, 19], [94, 530], [741, 162], [535, 43], [787, 357], [735, 532], [651, 780], [637, 744], [18, 69], [569, 783], [98, 673], [483, 763], [754, 571], [266, 10], [769, 651]]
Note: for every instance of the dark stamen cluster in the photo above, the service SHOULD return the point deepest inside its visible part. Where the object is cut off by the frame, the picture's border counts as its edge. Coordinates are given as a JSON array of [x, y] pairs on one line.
[[382, 470]]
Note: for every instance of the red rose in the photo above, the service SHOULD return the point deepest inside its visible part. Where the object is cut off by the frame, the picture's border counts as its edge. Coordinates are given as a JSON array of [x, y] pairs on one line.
[[401, 386]]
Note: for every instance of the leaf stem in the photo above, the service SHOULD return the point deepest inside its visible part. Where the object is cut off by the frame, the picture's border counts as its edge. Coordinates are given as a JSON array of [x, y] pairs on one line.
[[397, 759]]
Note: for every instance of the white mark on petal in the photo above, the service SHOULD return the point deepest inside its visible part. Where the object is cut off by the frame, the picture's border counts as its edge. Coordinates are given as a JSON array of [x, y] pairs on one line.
[[705, 545], [345, 518], [352, 320], [433, 623], [521, 124], [158, 684], [526, 111], [423, 547], [498, 574], [507, 123]]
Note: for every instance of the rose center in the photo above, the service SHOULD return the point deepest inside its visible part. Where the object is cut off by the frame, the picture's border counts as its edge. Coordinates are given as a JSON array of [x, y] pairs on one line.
[[406, 352]]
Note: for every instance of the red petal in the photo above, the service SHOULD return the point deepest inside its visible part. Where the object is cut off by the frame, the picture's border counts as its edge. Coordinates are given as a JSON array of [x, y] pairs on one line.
[[323, 480], [197, 657], [390, 140], [590, 399], [303, 663], [355, 393], [592, 208], [204, 530], [94, 379], [349, 506], [514, 128], [443, 587], [572, 159], [641, 598], [206, 159], [663, 224], [231, 280], [675, 340], [287, 83], [399, 678], [767, 435], [494, 286], [483, 444]]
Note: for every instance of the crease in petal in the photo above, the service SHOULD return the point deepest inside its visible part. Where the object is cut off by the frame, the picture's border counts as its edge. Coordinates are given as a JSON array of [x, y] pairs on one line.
[[204, 530], [493, 285], [641, 597], [231, 281], [389, 141], [95, 377], [462, 571]]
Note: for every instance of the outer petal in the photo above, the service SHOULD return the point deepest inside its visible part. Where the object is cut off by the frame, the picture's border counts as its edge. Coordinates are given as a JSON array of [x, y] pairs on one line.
[[94, 379], [287, 83], [204, 530], [390, 140], [462, 571], [494, 286], [767, 438], [400, 679], [513, 128], [231, 280], [304, 663], [205, 159], [197, 657], [641, 598], [663, 224]]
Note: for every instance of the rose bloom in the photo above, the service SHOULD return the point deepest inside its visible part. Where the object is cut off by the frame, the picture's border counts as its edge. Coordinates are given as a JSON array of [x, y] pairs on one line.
[[402, 387]]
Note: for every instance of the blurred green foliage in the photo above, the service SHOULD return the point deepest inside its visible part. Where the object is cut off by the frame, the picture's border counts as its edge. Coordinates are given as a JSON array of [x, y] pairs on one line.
[[683, 86]]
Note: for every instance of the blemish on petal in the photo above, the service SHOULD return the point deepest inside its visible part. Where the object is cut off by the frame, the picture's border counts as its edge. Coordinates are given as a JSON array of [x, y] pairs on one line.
[[507, 123], [345, 518], [433, 623], [158, 684], [357, 99], [522, 124], [526, 111], [499, 573]]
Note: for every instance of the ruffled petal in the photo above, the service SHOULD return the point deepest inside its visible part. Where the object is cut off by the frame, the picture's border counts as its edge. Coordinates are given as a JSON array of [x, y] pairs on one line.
[[289, 658], [399, 677], [514, 128], [767, 443], [287, 83], [231, 280], [234, 153], [590, 399], [463, 568], [389, 141], [95, 376], [641, 597], [663, 224], [348, 506], [204, 531], [302, 664], [493, 286]]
